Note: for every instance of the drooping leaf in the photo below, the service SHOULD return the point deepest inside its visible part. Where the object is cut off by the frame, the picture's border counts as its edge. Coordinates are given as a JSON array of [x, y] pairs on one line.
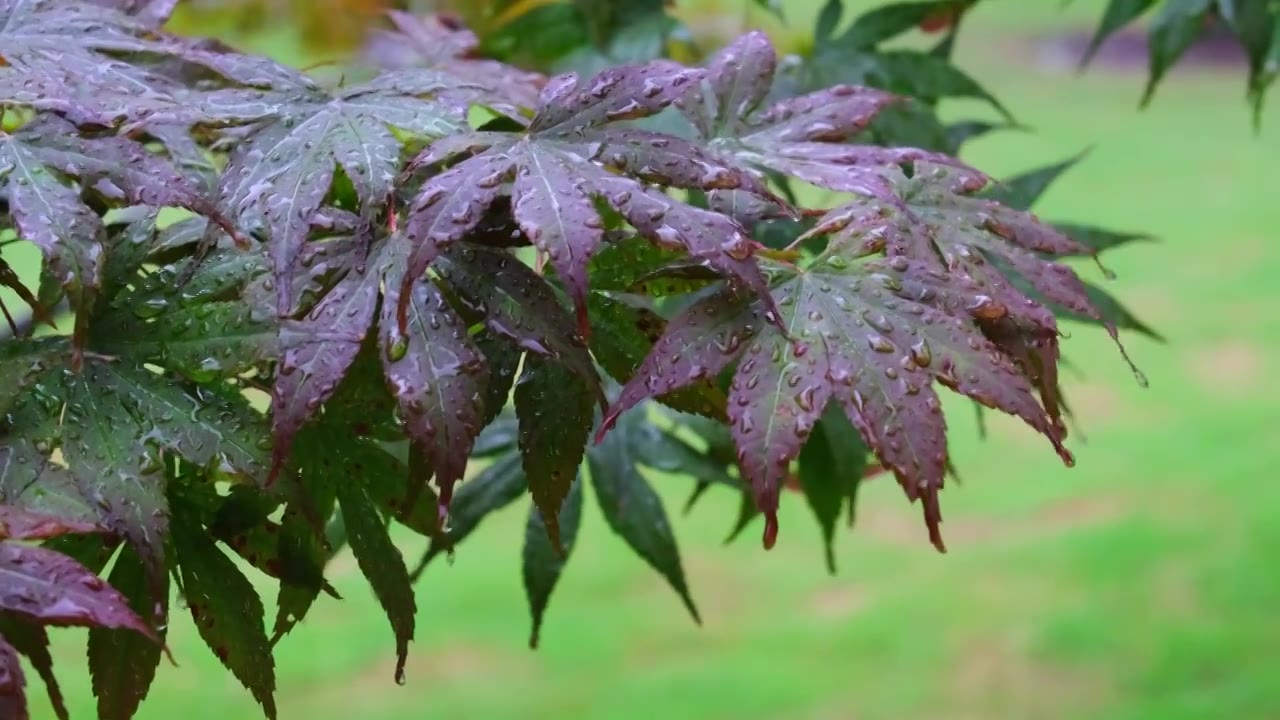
[[555, 178], [32, 642], [437, 374], [227, 611], [1118, 14], [13, 683], [632, 507], [381, 563], [831, 466], [556, 414], [317, 351], [1098, 239], [101, 443], [1175, 27], [123, 664], [1022, 191], [773, 7], [543, 562], [870, 335], [301, 545]]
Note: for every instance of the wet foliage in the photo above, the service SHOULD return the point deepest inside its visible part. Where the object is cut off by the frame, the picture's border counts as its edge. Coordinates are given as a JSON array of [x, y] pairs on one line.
[[304, 317]]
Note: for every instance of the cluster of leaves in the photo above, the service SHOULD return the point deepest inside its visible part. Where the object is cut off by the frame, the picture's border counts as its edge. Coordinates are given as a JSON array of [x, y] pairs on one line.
[[305, 315]]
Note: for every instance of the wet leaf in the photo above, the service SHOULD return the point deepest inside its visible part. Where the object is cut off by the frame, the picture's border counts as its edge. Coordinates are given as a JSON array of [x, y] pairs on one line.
[[438, 376], [317, 350], [556, 415], [52, 589], [872, 336], [554, 180], [226, 609], [381, 563], [632, 508], [279, 176], [123, 664], [831, 467], [432, 42], [803, 137], [543, 562], [17, 524], [517, 305]]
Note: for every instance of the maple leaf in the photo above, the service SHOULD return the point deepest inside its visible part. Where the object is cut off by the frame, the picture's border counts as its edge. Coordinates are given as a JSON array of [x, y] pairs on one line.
[[555, 174], [629, 503], [50, 212], [123, 664], [114, 419], [279, 175], [436, 42], [872, 336], [437, 373], [941, 222], [802, 137], [227, 611], [542, 561], [64, 56]]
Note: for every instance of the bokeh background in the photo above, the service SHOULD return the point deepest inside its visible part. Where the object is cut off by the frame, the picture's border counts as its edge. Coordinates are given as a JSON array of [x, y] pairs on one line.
[[1140, 584]]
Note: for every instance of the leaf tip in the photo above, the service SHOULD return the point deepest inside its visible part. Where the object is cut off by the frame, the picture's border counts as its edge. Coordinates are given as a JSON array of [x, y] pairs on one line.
[[770, 537]]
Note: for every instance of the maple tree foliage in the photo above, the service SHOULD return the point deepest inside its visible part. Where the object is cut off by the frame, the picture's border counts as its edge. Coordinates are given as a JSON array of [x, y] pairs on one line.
[[280, 317]]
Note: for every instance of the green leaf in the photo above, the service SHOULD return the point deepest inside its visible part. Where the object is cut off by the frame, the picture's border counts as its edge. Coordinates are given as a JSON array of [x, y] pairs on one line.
[[828, 18], [302, 544], [632, 508], [1176, 26], [1099, 239], [113, 470], [904, 72], [1022, 191], [555, 409], [773, 7], [123, 663], [831, 465], [381, 563], [889, 21], [543, 562], [1118, 14], [225, 607]]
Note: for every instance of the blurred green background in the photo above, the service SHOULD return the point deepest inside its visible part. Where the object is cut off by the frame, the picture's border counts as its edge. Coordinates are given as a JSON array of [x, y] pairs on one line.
[[1141, 584]]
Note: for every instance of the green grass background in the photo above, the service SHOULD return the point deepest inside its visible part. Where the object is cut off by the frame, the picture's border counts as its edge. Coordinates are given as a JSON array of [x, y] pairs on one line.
[[1141, 584]]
